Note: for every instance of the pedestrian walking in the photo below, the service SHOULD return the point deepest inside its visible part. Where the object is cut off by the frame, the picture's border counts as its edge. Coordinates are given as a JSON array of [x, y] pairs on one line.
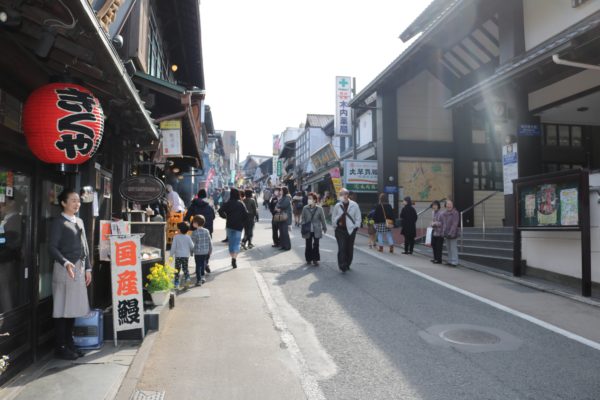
[[346, 219], [369, 221], [235, 213], [200, 206], [313, 226], [384, 222], [284, 207], [202, 247], [182, 249], [298, 206], [408, 218], [437, 234], [176, 204], [72, 273], [450, 224], [252, 208], [274, 225]]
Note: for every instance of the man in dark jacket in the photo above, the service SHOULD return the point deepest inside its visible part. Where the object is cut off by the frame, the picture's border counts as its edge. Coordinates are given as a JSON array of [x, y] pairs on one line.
[[200, 206]]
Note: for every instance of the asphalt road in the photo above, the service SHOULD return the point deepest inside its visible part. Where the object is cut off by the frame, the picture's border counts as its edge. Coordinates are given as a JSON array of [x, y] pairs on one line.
[[379, 332]]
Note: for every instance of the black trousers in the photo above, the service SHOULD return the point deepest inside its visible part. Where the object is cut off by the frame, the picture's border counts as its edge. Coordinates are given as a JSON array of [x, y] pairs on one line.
[[275, 228], [284, 236], [312, 249], [248, 231], [437, 243], [63, 329], [409, 244], [345, 243]]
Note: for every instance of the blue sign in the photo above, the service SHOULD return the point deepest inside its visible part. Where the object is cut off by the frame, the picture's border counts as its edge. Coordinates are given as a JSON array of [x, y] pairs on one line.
[[529, 130], [390, 189]]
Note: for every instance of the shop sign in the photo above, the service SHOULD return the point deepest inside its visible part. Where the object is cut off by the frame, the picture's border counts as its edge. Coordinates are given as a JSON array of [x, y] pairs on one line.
[[106, 229], [126, 279], [279, 167], [323, 156], [529, 130], [390, 189], [276, 145], [336, 179], [360, 176], [510, 166], [343, 113], [171, 138], [141, 189], [63, 123]]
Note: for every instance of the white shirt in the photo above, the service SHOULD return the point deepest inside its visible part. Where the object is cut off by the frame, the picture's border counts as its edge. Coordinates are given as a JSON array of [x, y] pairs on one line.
[[175, 201], [353, 211], [71, 218]]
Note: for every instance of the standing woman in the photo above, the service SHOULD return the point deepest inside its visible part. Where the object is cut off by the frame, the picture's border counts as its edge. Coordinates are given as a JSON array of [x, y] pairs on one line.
[[450, 224], [252, 208], [284, 205], [437, 236], [298, 205], [313, 226], [408, 216], [72, 273], [234, 211], [384, 212]]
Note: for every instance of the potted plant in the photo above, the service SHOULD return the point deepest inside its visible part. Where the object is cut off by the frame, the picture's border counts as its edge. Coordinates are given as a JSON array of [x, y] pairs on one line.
[[160, 283]]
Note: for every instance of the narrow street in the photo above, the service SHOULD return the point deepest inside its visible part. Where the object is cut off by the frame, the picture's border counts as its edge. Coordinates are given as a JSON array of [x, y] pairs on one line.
[[276, 328]]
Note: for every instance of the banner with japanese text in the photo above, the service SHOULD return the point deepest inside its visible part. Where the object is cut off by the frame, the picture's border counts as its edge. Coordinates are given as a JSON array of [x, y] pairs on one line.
[[106, 229], [126, 278], [360, 176], [343, 95], [336, 179]]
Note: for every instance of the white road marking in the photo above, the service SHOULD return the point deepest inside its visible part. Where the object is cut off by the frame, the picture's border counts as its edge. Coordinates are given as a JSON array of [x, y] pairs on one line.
[[526, 317], [307, 380]]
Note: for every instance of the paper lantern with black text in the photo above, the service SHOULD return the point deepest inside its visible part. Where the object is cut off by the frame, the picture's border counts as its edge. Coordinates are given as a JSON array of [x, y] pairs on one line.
[[63, 123]]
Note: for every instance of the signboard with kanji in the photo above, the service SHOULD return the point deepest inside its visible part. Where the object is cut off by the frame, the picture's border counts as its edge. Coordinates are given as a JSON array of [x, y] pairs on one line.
[[126, 278], [323, 156], [360, 176], [106, 229], [171, 138], [336, 179], [343, 95]]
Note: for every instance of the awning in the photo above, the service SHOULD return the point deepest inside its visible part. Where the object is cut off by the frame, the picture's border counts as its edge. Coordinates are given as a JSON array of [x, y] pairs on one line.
[[288, 150], [533, 58], [317, 177]]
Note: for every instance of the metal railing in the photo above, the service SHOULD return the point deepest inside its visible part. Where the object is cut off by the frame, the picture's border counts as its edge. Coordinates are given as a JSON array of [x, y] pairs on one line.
[[479, 203]]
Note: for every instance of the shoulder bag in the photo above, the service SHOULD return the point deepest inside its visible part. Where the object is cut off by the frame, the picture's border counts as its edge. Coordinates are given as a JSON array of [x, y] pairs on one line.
[[280, 217], [389, 223], [305, 229]]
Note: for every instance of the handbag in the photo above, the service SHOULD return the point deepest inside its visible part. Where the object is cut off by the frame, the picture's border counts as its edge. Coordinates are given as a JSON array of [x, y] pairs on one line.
[[389, 223], [280, 217], [428, 236]]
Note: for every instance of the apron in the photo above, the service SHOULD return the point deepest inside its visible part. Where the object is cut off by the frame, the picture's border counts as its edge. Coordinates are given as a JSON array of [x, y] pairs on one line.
[[69, 295]]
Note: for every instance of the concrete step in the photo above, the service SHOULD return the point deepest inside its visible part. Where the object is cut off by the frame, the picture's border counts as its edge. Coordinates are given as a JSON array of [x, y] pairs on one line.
[[496, 244], [477, 250], [490, 230], [490, 236], [502, 262]]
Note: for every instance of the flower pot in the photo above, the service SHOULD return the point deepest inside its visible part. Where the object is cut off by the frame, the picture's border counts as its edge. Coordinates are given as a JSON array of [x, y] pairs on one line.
[[160, 298]]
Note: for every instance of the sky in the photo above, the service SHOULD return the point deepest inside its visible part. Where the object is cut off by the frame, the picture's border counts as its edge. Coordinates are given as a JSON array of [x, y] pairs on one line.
[[268, 63]]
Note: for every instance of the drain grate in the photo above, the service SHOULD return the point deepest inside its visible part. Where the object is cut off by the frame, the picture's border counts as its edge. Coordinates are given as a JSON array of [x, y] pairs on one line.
[[469, 336], [148, 395]]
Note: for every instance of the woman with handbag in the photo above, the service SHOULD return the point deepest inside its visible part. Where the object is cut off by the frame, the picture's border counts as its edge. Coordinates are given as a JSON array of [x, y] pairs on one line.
[[384, 222], [283, 217], [437, 234], [409, 217], [313, 226]]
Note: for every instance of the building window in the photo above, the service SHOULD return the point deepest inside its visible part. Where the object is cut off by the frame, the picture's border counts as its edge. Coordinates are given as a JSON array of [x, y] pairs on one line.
[[158, 65], [563, 135], [487, 175]]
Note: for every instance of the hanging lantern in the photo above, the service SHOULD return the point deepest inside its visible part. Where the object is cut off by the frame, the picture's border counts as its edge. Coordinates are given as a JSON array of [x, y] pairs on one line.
[[63, 123]]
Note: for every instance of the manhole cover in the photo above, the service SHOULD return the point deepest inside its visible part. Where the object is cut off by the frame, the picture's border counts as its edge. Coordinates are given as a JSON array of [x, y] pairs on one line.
[[469, 336], [148, 395]]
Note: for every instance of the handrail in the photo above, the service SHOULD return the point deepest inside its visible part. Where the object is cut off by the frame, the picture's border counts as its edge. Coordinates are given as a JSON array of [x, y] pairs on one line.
[[462, 228], [480, 202]]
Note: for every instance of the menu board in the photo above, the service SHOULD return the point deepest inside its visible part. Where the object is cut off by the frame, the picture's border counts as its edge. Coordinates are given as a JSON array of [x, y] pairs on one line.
[[550, 205]]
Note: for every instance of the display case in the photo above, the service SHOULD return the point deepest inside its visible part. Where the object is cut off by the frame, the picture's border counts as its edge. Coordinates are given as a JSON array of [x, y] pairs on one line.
[[154, 244]]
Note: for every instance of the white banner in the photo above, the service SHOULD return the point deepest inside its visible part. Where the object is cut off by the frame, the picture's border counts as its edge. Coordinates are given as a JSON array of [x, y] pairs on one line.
[[126, 278], [171, 138], [510, 166], [343, 113]]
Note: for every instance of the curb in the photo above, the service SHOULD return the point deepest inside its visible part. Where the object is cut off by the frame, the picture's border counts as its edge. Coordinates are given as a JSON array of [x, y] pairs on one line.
[[129, 383]]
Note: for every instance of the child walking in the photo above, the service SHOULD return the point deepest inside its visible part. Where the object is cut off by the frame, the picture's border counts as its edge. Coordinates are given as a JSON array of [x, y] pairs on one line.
[[181, 249], [202, 247]]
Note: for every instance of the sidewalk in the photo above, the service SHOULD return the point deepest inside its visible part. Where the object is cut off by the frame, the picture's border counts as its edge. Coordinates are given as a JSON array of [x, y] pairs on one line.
[[220, 342]]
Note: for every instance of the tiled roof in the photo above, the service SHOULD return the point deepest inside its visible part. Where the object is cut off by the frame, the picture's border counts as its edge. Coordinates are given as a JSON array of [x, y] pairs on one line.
[[318, 120]]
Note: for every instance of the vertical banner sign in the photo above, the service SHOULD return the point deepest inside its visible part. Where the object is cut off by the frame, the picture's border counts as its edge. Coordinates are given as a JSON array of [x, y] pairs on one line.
[[279, 168], [171, 138], [126, 278], [276, 146], [336, 179], [343, 95], [510, 166]]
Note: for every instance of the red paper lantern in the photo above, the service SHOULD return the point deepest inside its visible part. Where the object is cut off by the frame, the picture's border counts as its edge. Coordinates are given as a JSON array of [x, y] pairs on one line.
[[63, 123]]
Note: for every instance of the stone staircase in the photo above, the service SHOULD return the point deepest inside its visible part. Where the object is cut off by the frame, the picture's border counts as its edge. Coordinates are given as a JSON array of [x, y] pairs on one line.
[[494, 249]]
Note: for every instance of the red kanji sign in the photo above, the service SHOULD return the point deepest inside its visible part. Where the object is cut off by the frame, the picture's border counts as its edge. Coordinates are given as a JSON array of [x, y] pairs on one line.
[[127, 283], [126, 253]]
